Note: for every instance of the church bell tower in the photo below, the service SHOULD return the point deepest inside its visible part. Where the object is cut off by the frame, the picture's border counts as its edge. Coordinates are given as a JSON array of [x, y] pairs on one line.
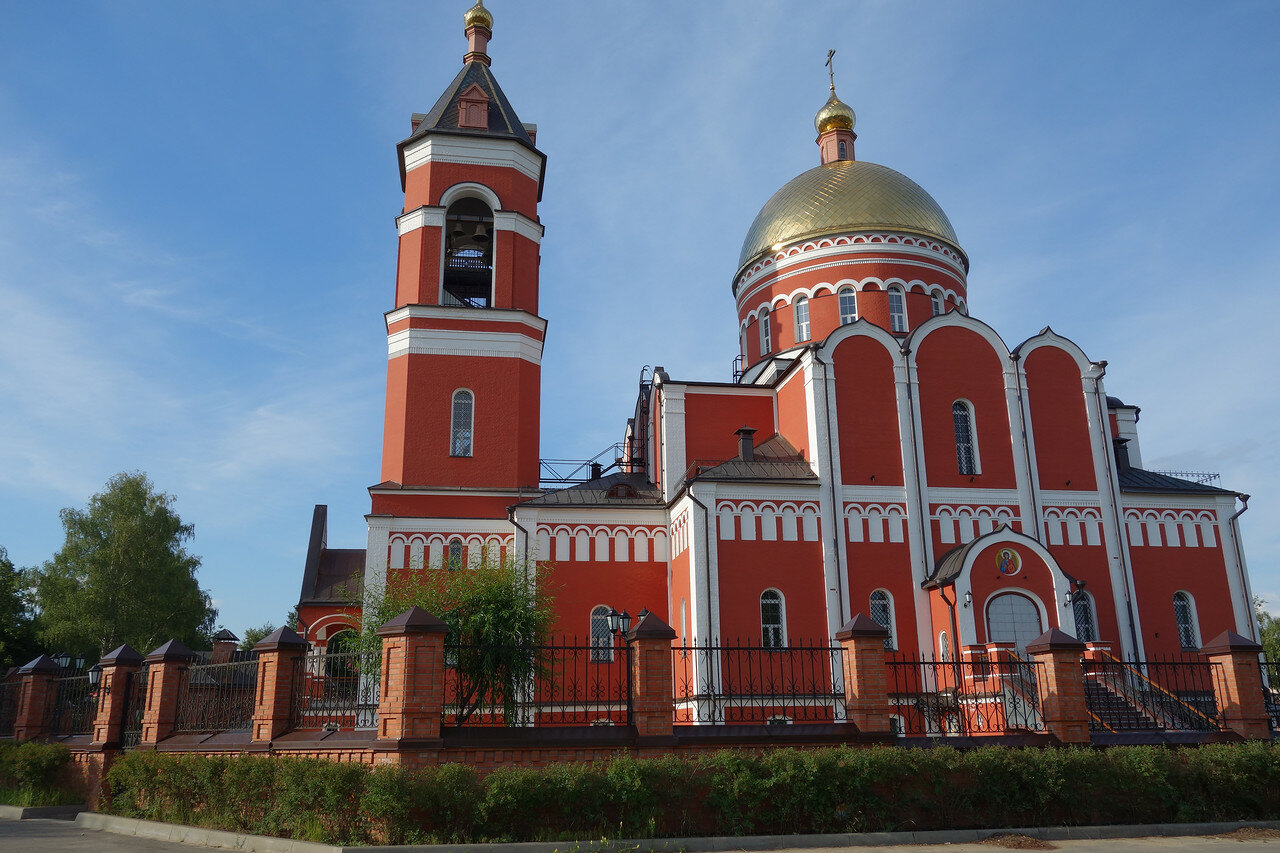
[[464, 340]]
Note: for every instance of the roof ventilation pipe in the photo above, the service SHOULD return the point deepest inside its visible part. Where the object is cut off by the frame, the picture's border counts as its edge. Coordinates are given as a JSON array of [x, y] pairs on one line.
[[746, 450]]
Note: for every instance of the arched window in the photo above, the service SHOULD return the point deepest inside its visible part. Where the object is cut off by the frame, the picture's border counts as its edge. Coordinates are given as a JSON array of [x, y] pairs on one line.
[[765, 344], [468, 254], [1184, 611], [338, 661], [1013, 618], [772, 619], [938, 306], [1086, 624], [882, 615], [453, 560], [601, 637], [742, 342], [944, 647], [897, 310], [848, 305], [801, 308], [844, 155], [462, 422], [966, 447]]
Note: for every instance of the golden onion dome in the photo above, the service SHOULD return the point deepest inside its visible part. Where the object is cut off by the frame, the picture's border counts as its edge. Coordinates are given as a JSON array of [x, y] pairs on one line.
[[841, 197], [834, 115], [478, 16]]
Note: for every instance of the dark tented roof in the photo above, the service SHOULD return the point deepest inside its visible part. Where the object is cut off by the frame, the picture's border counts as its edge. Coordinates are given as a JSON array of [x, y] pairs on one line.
[[774, 460], [503, 121], [1138, 480], [628, 491]]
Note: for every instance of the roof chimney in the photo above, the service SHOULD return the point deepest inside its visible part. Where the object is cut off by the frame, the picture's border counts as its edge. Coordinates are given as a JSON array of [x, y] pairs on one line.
[[746, 450], [224, 646], [597, 470], [1122, 454]]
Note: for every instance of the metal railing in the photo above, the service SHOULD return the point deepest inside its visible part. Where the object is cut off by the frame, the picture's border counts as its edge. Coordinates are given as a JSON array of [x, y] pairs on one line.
[[1203, 477], [216, 697], [335, 691], [727, 684], [984, 695], [1271, 692], [74, 706], [10, 692], [1165, 694], [564, 683], [135, 705]]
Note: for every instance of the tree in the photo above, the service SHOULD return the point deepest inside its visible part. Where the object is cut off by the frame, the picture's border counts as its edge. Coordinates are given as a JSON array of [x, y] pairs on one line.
[[1268, 630], [499, 611], [253, 636], [18, 642], [123, 575]]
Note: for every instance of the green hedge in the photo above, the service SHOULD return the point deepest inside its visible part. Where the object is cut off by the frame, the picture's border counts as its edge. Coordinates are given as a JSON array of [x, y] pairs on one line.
[[723, 793], [30, 774]]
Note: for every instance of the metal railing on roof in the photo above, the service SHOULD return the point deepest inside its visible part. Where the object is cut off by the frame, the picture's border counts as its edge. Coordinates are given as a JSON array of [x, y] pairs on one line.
[[1204, 478]]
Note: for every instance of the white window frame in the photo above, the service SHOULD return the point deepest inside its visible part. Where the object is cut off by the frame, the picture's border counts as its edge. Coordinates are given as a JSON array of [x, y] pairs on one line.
[[766, 342], [800, 311], [601, 636], [774, 636], [944, 646], [891, 641], [452, 561], [852, 314], [898, 319], [456, 430], [973, 438], [1194, 627], [939, 307], [1085, 599]]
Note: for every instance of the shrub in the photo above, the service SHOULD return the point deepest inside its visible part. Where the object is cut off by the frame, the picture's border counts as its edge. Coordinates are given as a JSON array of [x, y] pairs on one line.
[[30, 774]]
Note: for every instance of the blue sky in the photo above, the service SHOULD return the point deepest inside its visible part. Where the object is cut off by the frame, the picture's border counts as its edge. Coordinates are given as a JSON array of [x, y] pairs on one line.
[[197, 238]]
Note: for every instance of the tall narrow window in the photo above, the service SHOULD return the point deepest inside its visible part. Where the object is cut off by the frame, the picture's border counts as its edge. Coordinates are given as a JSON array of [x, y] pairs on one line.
[[601, 637], [848, 305], [944, 647], [1082, 607], [765, 344], [801, 306], [468, 255], [1184, 611], [844, 152], [966, 459], [938, 306], [453, 560], [897, 310], [882, 615], [463, 420], [772, 612]]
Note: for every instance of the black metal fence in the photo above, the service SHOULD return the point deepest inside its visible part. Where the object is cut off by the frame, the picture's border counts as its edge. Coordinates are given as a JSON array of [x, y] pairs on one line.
[[74, 706], [1271, 692], [10, 692], [335, 691], [1165, 694], [1000, 694], [565, 683], [724, 684], [135, 704], [217, 697]]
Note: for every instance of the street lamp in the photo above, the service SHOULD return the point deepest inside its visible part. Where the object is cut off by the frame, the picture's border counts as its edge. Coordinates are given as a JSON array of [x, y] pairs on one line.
[[95, 679], [619, 623], [62, 659]]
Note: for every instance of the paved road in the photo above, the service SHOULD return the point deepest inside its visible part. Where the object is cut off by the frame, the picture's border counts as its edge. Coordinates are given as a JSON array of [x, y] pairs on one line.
[[56, 836]]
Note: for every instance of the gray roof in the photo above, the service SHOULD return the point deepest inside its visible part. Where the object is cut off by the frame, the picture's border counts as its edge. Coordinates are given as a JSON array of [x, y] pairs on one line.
[[1138, 480], [775, 460], [632, 491], [331, 575], [503, 121]]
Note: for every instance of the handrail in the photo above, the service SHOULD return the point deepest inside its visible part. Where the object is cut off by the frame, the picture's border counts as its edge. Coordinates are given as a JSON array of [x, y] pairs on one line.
[[1195, 711]]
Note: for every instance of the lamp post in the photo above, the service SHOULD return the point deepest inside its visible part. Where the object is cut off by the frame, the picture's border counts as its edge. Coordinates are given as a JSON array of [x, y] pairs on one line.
[[95, 680]]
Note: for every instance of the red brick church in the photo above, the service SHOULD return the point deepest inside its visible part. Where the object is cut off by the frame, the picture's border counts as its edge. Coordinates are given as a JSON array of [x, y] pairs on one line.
[[881, 450]]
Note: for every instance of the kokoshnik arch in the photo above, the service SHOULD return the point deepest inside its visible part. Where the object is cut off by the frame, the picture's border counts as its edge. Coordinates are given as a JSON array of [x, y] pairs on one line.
[[880, 450]]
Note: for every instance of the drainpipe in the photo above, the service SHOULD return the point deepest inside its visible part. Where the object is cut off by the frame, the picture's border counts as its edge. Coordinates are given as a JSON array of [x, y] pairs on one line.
[[955, 627], [1234, 526], [1036, 523], [511, 517], [706, 551], [922, 506], [837, 506]]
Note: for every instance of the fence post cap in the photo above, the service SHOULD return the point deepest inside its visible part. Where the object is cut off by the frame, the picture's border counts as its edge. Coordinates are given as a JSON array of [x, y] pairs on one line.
[[1055, 640], [44, 663], [415, 620], [862, 625], [651, 628], [281, 639], [171, 651], [1230, 641], [122, 655]]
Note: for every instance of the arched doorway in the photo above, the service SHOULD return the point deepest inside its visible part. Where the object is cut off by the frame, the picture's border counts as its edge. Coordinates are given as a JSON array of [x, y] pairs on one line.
[[1013, 618]]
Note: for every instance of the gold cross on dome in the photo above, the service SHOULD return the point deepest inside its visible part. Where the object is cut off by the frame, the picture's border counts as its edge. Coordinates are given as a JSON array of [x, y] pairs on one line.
[[831, 69]]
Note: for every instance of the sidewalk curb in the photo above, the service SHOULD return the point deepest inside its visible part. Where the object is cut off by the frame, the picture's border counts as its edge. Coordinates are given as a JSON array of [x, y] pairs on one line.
[[263, 844], [67, 812]]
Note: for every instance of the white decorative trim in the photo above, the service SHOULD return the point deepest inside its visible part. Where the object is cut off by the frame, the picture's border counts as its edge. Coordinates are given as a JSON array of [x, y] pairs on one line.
[[473, 151], [878, 285], [459, 312], [421, 217], [863, 242], [510, 220], [464, 343], [576, 515], [937, 495], [470, 189], [467, 526]]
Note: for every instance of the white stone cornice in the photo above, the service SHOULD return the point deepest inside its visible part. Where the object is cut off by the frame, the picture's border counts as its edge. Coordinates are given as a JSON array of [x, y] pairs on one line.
[[421, 217], [464, 343], [972, 497], [510, 220], [459, 312], [811, 250], [452, 525], [473, 151]]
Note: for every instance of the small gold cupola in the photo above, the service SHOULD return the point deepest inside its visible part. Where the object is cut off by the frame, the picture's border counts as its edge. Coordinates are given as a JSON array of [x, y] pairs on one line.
[[834, 123], [478, 25]]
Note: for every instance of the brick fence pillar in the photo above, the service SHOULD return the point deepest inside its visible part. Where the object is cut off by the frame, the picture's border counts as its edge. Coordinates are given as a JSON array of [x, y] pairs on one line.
[[166, 666], [866, 682], [108, 723], [411, 695], [35, 699], [1064, 710], [278, 655], [652, 702], [1240, 698]]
